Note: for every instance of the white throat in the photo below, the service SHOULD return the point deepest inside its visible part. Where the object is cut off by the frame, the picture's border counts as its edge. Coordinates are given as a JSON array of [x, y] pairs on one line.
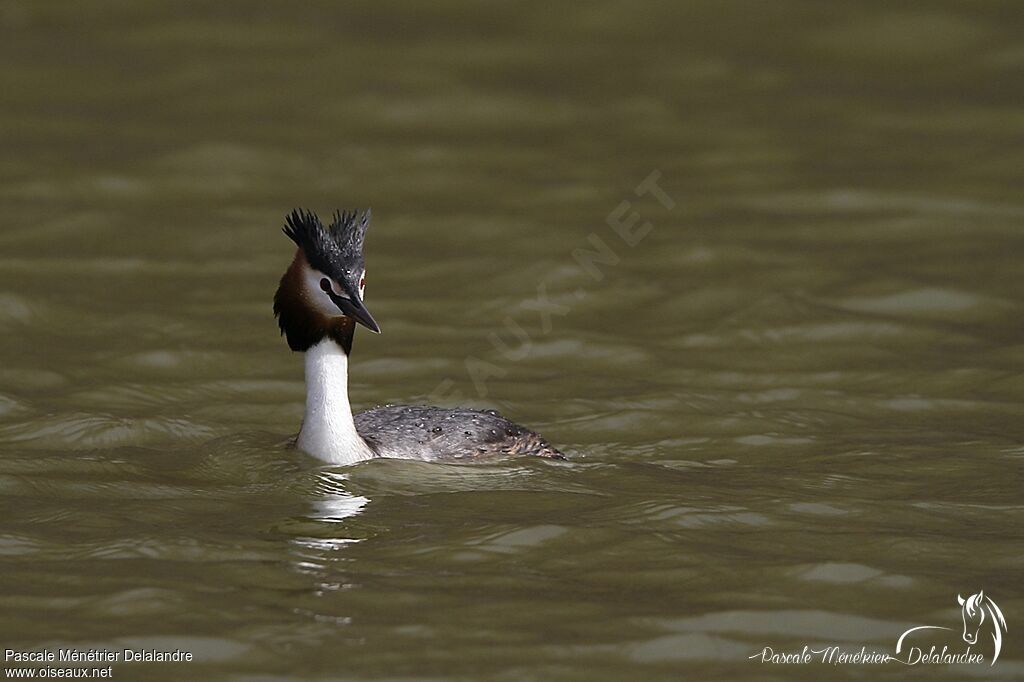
[[328, 432]]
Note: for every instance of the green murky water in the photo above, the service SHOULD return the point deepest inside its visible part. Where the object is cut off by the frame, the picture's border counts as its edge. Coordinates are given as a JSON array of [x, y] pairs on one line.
[[794, 400]]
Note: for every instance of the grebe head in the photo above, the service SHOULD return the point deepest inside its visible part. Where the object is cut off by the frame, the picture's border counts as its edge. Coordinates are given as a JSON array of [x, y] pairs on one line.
[[321, 294]]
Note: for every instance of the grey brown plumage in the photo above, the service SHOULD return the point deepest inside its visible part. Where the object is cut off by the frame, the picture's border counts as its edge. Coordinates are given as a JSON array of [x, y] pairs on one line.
[[427, 432]]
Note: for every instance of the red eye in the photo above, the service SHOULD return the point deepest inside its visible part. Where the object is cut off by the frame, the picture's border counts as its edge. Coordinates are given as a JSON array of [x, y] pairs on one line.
[[362, 282]]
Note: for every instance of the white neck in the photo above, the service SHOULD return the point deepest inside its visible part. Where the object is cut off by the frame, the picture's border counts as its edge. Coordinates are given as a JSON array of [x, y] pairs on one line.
[[328, 432]]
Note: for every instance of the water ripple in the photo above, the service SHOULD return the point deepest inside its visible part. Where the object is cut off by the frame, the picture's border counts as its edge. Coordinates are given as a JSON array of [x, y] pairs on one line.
[[80, 431]]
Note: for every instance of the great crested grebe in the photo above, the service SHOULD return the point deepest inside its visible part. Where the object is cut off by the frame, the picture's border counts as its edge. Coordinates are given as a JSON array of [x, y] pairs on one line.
[[317, 305]]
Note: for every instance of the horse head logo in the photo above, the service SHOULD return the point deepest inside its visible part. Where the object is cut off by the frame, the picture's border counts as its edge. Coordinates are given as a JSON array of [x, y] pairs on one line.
[[979, 611]]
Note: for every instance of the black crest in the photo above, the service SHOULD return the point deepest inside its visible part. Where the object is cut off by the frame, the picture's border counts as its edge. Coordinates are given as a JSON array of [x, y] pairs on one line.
[[335, 250]]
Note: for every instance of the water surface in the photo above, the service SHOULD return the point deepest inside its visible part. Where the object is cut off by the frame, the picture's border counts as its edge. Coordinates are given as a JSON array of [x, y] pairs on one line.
[[793, 405]]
